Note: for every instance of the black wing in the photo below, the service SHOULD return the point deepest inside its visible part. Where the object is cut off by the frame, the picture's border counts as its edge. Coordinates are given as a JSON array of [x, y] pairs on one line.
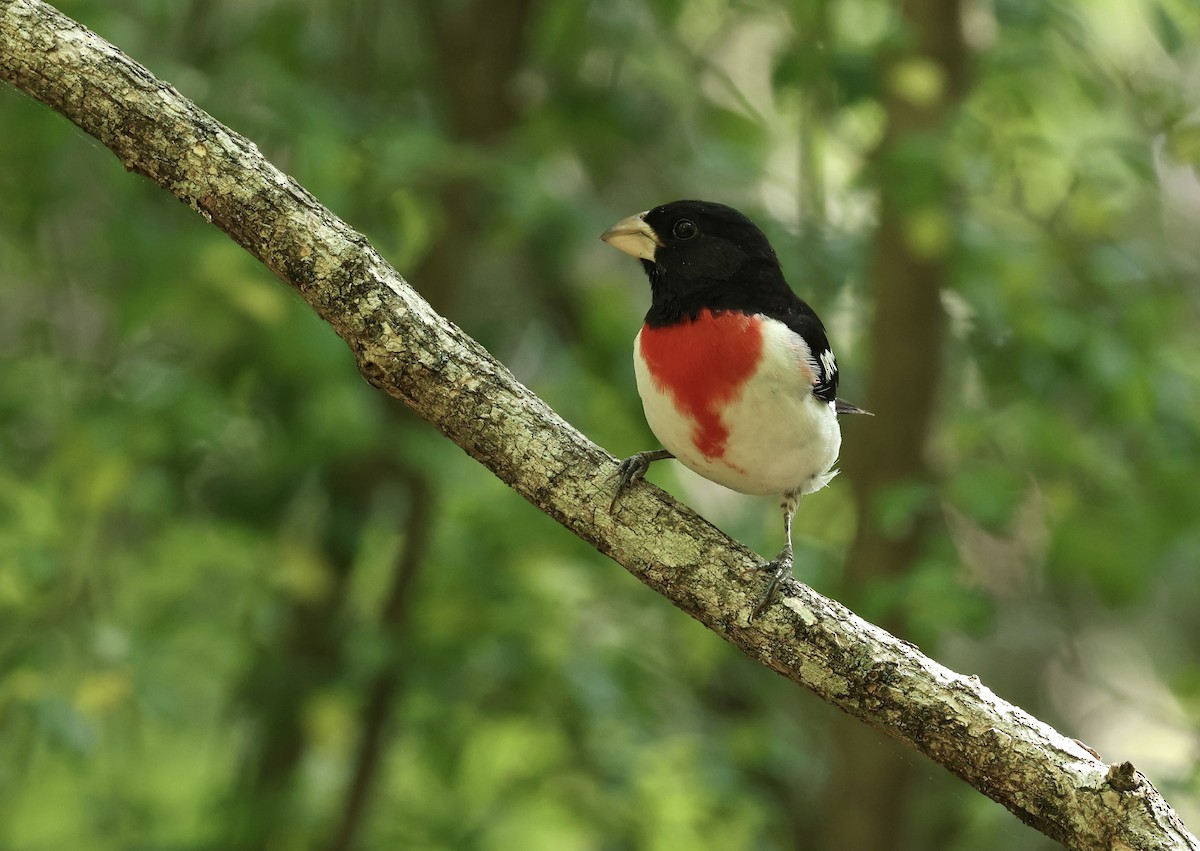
[[804, 322]]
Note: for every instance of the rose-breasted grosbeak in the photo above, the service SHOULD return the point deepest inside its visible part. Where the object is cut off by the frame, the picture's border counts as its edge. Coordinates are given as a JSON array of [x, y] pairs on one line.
[[735, 372]]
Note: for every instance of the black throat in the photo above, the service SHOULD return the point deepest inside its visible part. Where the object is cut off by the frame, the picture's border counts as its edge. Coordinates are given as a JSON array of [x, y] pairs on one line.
[[758, 287]]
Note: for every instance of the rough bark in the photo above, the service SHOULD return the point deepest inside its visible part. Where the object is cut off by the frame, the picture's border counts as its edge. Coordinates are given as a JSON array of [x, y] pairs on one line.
[[1048, 780]]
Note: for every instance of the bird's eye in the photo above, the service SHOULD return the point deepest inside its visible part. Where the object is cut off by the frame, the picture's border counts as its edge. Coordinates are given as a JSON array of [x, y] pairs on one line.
[[685, 229]]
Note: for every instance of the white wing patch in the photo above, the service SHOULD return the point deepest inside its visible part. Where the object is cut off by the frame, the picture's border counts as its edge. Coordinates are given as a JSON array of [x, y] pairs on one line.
[[829, 362]]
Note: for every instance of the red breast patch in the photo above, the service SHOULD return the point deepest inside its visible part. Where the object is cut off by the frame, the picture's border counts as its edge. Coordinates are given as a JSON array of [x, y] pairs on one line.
[[703, 365]]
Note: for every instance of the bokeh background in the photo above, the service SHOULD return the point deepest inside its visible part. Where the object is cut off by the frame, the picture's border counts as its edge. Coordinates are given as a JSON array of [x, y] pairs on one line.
[[246, 601]]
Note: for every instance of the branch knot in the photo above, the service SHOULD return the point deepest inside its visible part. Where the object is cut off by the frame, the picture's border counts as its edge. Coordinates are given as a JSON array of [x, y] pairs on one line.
[[1123, 777]]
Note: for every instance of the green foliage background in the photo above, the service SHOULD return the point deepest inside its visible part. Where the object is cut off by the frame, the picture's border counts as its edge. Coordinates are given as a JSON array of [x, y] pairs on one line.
[[204, 511]]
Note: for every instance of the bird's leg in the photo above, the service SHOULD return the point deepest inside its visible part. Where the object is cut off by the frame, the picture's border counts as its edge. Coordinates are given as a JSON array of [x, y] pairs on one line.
[[781, 566], [634, 468]]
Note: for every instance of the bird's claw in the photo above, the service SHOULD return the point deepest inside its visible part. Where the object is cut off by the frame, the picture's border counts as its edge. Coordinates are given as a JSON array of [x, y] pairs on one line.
[[780, 568], [629, 471]]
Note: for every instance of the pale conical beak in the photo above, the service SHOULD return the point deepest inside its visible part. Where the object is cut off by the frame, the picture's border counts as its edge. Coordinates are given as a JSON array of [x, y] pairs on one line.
[[633, 236]]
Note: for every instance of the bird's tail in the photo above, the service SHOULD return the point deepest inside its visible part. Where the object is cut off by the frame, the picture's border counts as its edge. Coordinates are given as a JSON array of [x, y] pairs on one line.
[[841, 406]]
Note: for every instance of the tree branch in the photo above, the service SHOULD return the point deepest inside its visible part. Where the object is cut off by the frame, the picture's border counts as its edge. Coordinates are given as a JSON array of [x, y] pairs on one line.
[[404, 348]]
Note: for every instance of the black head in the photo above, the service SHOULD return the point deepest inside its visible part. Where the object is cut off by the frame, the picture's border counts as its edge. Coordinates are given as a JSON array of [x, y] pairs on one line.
[[699, 255]]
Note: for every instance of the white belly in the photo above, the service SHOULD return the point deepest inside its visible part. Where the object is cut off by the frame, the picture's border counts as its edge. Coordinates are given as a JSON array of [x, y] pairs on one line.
[[780, 436]]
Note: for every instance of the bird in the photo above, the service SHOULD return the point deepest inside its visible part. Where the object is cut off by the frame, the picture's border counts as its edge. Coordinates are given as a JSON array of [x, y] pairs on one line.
[[736, 375]]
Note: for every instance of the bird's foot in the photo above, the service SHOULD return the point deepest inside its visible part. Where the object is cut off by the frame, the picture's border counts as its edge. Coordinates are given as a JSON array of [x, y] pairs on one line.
[[780, 568], [632, 470]]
